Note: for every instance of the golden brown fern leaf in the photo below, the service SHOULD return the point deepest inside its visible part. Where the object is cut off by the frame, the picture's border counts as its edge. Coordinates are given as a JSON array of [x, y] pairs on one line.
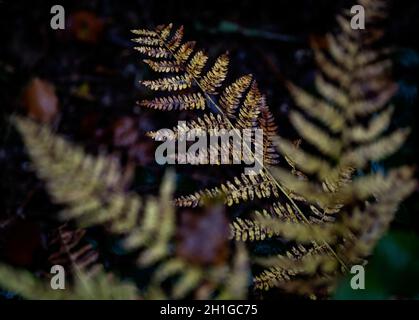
[[240, 104], [181, 102], [231, 108], [354, 83], [209, 122], [249, 112], [270, 130], [245, 188], [215, 77], [231, 96], [253, 230]]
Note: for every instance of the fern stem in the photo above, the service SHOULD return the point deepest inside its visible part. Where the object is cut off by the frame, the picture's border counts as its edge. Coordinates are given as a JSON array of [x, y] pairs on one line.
[[78, 272]]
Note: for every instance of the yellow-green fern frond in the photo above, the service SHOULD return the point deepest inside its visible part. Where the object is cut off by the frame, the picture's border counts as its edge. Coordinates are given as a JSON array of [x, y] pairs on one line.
[[94, 193], [101, 286], [87, 185], [354, 89]]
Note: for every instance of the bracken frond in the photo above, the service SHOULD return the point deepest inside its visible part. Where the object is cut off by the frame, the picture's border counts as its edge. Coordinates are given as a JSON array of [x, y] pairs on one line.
[[180, 102], [353, 94], [243, 188], [175, 83], [215, 77], [163, 66], [346, 122], [230, 98], [102, 286], [93, 191]]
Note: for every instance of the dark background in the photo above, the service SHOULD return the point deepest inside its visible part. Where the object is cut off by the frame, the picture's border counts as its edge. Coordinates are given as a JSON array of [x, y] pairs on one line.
[[95, 74]]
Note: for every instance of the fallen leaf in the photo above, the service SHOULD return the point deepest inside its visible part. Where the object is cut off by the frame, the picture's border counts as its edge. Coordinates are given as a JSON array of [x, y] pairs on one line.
[[40, 100], [203, 236]]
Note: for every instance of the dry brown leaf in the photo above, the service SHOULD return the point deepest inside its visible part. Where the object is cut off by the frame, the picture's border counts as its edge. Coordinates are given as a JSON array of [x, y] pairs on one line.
[[40, 100], [203, 235]]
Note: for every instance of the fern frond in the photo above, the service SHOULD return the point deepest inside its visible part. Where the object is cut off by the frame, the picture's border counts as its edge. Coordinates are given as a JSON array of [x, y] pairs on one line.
[[315, 135], [163, 66], [343, 211], [209, 122], [101, 286], [176, 40], [243, 188], [185, 51], [153, 52], [253, 230], [230, 98], [180, 102], [197, 64], [215, 77], [175, 83], [354, 84], [86, 184], [317, 108], [93, 191], [249, 113]]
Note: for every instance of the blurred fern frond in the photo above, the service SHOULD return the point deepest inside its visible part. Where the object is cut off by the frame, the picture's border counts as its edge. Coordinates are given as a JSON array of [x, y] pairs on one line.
[[93, 191], [101, 286], [347, 122]]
